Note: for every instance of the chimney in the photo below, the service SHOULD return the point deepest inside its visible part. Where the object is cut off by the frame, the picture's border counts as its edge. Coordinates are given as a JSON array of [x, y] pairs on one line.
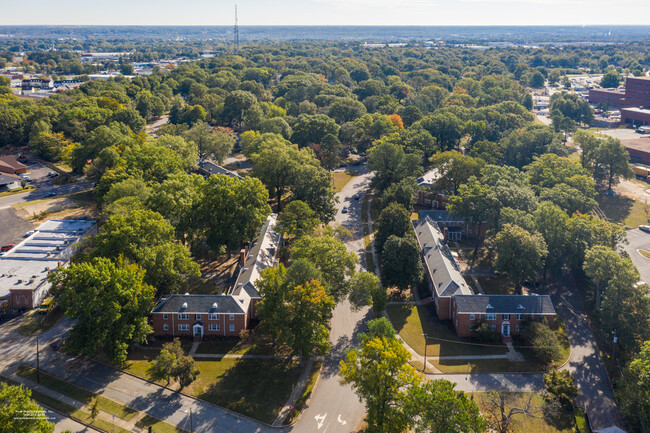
[[446, 234], [242, 257]]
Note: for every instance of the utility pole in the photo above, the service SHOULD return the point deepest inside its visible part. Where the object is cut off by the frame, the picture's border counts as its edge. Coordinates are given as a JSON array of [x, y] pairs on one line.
[[236, 31], [424, 367], [38, 362]]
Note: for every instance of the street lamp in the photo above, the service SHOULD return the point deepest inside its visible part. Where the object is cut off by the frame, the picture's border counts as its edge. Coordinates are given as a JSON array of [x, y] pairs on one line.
[[424, 367]]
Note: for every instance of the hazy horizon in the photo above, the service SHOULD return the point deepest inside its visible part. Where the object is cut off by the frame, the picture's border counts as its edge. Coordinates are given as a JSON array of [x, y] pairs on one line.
[[333, 13]]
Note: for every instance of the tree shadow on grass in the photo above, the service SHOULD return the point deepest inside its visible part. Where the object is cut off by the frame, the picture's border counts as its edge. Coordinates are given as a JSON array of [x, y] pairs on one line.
[[616, 207], [254, 387]]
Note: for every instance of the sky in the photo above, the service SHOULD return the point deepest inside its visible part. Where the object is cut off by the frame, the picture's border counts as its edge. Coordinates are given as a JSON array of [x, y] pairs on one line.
[[328, 12]]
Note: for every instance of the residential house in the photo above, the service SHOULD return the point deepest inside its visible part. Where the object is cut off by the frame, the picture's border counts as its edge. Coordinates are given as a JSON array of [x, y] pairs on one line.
[[10, 165], [506, 314], [9, 182], [208, 168], [221, 315], [455, 300]]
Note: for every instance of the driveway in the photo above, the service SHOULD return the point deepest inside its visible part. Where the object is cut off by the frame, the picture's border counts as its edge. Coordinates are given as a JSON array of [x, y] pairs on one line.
[[335, 407], [639, 240]]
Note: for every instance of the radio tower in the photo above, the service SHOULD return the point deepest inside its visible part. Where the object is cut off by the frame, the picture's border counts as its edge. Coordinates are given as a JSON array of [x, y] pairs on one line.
[[236, 31]]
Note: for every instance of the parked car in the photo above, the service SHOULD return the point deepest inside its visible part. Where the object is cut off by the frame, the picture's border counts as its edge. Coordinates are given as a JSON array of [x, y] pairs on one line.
[[51, 194], [28, 234], [7, 247], [52, 174], [26, 178], [357, 196], [645, 229], [345, 209]]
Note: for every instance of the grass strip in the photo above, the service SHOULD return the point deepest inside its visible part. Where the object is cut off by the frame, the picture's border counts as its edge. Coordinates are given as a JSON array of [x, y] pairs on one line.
[[302, 400], [157, 425], [77, 393]]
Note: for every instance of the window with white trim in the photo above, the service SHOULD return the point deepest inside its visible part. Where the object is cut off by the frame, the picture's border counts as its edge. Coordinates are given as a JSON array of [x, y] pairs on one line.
[[183, 316], [165, 316], [197, 316], [165, 327], [213, 327], [490, 316], [232, 317], [505, 316], [213, 316], [471, 317], [183, 327], [519, 316], [232, 328]]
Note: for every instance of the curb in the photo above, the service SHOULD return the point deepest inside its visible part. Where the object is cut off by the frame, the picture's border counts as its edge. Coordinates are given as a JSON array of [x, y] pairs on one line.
[[236, 414], [311, 395]]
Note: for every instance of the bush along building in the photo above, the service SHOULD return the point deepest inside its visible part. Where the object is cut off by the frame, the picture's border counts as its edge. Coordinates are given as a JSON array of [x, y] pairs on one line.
[[455, 300], [221, 315]]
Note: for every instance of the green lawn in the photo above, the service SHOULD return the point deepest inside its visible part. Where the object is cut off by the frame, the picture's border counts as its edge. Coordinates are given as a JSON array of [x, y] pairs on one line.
[[412, 321], [17, 191], [157, 425], [523, 424], [34, 323], [340, 179], [624, 210], [77, 393], [254, 387], [370, 262]]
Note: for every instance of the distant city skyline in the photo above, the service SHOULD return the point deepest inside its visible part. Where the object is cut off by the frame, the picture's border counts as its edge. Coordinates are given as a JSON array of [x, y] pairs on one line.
[[330, 12]]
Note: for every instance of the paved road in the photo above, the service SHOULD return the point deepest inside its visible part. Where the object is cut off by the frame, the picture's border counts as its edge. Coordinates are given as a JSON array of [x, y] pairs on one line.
[[639, 240], [585, 364], [41, 193], [334, 407], [515, 382], [139, 394]]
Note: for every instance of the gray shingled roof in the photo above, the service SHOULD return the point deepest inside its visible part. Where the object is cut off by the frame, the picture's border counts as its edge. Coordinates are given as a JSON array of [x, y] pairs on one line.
[[440, 215], [504, 304], [261, 255], [442, 267], [211, 168], [226, 304]]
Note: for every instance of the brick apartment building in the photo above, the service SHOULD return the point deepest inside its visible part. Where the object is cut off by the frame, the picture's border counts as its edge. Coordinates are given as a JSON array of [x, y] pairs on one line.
[[221, 315], [455, 300]]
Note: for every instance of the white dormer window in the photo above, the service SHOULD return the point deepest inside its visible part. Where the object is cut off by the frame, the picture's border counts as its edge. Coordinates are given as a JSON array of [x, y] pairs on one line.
[[520, 307], [489, 307]]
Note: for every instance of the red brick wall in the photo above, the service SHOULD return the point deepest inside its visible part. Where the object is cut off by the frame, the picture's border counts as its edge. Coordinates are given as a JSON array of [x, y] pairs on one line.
[[158, 322], [21, 299], [462, 322], [443, 308]]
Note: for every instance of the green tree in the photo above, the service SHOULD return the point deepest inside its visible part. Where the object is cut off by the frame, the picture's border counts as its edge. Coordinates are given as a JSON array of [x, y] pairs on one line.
[[610, 80], [331, 258], [614, 160], [346, 110], [312, 129], [94, 408], [602, 264], [437, 407], [391, 164], [527, 102], [545, 344], [210, 144], [15, 402], [297, 219], [537, 80], [380, 374], [401, 265], [313, 185], [393, 220], [454, 169], [145, 238], [185, 371], [109, 302], [445, 127], [475, 203], [552, 224], [236, 104], [519, 254], [634, 392], [404, 192], [560, 386], [330, 152], [230, 211], [163, 366], [365, 289]]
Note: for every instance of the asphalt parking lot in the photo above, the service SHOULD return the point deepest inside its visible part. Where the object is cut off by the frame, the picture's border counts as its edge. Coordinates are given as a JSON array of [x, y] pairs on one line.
[[12, 227], [623, 134], [639, 240]]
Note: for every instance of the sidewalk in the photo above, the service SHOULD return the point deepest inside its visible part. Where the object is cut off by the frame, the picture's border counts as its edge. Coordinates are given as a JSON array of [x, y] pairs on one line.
[[295, 394], [126, 425]]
